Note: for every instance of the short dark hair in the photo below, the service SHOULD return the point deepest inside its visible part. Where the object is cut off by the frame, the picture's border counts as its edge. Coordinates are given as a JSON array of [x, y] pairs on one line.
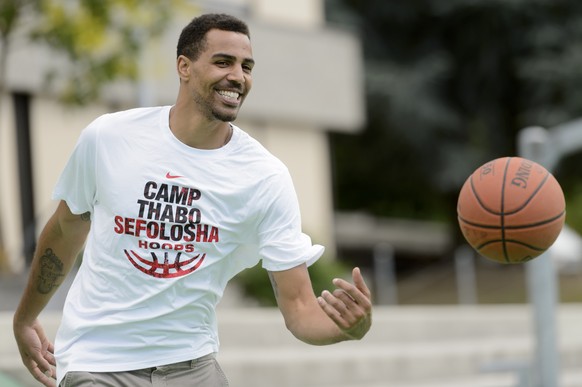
[[192, 40]]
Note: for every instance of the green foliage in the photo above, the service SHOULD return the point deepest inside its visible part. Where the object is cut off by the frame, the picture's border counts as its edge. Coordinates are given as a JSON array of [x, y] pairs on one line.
[[256, 284], [101, 38], [574, 208], [568, 174], [9, 14]]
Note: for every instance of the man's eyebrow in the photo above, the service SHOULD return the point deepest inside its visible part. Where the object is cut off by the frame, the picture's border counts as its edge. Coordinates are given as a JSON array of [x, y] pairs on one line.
[[233, 58]]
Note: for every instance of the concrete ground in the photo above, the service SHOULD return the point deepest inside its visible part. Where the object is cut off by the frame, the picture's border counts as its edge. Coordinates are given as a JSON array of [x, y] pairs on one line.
[[408, 346]]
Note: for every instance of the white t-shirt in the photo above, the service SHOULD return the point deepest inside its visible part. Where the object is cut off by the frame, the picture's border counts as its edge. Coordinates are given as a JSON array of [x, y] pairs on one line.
[[171, 225]]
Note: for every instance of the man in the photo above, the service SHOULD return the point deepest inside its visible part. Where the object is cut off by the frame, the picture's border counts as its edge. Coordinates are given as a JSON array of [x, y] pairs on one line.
[[172, 202]]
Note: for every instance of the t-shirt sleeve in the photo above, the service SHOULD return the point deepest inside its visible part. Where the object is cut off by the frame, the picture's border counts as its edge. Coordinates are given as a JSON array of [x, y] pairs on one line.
[[282, 244], [77, 182]]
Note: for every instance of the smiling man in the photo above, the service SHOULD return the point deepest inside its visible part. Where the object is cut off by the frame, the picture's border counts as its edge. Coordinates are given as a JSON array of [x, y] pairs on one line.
[[172, 202]]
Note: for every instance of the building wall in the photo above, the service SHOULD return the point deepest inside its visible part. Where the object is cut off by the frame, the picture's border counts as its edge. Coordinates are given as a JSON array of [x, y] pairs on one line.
[[10, 223], [54, 132], [297, 13], [305, 152], [288, 112]]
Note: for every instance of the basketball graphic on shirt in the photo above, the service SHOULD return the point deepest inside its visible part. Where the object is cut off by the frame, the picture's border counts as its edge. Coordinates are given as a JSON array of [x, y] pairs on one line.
[[164, 268], [168, 224]]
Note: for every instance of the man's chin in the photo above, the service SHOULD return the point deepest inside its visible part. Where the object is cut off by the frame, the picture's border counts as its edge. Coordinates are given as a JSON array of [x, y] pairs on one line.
[[225, 116]]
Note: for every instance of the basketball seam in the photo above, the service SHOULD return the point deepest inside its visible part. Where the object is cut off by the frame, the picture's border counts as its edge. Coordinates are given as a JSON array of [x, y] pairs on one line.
[[481, 203], [502, 215], [526, 225], [510, 241], [539, 187]]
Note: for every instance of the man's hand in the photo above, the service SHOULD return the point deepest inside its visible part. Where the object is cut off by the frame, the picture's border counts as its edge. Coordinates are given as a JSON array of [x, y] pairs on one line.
[[36, 352], [58, 245], [349, 306]]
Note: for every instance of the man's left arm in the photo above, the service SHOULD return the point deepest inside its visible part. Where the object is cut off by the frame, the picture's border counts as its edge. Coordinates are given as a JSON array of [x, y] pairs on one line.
[[343, 314]]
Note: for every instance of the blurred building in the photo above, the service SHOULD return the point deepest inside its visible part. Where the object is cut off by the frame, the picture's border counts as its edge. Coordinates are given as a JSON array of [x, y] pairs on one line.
[[308, 79]]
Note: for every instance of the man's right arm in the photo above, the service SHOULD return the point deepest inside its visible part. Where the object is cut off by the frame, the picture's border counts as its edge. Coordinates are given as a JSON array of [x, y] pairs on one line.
[[58, 246]]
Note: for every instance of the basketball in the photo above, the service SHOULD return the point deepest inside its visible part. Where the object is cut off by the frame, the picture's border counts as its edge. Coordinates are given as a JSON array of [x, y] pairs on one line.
[[511, 210]]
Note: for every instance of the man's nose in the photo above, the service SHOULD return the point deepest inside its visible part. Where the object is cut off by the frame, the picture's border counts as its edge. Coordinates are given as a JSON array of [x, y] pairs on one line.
[[237, 75]]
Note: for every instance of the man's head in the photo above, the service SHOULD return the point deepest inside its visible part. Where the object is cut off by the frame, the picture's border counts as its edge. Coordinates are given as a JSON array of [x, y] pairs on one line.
[[215, 63], [192, 40]]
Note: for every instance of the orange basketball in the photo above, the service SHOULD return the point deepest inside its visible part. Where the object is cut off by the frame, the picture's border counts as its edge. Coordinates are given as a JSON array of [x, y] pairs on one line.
[[511, 210]]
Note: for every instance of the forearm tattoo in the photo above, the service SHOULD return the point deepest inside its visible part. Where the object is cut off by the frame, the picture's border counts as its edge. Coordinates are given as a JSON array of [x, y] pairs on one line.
[[51, 272]]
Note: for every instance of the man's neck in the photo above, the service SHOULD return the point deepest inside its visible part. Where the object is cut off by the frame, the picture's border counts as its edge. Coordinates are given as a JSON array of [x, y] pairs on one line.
[[198, 132]]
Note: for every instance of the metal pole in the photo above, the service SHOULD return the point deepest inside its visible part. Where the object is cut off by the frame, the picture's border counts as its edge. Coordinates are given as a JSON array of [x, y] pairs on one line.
[[542, 279], [385, 275], [465, 274]]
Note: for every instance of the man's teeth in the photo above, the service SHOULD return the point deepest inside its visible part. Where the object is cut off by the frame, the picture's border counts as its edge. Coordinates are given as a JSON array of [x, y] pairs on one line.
[[229, 94]]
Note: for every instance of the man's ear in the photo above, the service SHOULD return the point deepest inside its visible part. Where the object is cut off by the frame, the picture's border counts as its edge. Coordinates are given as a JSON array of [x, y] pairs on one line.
[[183, 67]]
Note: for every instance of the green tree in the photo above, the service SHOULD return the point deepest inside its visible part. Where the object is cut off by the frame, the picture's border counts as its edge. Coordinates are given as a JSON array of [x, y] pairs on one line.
[[100, 38]]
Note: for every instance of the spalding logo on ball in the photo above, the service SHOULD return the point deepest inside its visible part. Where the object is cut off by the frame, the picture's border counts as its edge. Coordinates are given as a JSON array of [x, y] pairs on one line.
[[511, 210]]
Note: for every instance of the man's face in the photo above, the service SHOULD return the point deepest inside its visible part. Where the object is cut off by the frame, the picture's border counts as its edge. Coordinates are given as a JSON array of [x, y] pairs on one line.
[[220, 78]]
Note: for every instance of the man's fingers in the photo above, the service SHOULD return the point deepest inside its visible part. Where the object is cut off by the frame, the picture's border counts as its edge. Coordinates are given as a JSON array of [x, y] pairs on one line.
[[358, 291], [40, 363], [334, 308], [359, 281], [46, 376], [37, 353], [346, 299], [50, 353], [47, 379], [36, 360], [338, 305], [349, 306], [50, 357]]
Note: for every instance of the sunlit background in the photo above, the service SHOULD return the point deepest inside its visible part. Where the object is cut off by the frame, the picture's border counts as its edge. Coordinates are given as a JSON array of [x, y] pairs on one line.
[[381, 110]]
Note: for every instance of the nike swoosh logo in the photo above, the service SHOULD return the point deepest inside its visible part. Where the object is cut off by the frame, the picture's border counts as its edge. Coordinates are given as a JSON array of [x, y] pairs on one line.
[[169, 176]]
